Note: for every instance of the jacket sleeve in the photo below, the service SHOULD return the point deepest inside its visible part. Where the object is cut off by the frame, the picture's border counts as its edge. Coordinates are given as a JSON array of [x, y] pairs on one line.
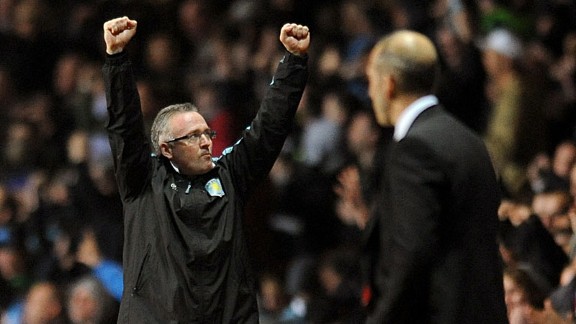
[[252, 157], [130, 146]]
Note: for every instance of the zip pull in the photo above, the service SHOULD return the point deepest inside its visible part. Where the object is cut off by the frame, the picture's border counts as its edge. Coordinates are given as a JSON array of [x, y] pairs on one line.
[[188, 188]]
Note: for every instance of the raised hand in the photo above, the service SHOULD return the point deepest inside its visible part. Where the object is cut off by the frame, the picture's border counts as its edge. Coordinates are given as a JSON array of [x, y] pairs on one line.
[[117, 33], [296, 38], [351, 207]]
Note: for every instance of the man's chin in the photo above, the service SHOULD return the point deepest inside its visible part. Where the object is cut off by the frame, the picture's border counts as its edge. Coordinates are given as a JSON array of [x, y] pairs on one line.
[[203, 167], [209, 165]]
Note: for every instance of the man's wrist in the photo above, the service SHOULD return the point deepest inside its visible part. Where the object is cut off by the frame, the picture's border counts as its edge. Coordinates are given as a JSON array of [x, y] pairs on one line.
[[117, 59], [303, 57], [114, 51]]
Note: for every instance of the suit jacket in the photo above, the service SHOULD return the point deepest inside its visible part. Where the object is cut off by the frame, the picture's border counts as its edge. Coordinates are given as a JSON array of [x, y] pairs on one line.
[[431, 242]]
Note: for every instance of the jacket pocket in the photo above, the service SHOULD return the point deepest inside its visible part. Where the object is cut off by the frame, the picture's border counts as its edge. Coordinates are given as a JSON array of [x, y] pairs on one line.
[[140, 276]]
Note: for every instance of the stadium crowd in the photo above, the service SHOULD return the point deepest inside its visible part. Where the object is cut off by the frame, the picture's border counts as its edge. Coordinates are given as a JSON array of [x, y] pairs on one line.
[[508, 72]]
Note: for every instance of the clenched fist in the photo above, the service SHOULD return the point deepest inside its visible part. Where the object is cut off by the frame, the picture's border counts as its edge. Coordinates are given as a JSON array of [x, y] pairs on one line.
[[117, 33], [296, 38]]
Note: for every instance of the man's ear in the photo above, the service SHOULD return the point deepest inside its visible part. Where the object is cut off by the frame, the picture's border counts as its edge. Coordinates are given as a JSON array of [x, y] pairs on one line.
[[166, 150], [389, 86]]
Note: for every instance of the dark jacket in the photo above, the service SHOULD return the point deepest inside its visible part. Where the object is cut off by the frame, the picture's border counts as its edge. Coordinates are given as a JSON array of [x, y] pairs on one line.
[[433, 240], [185, 258]]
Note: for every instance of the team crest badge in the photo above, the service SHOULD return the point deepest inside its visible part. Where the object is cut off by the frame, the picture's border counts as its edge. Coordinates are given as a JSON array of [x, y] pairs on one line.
[[214, 188]]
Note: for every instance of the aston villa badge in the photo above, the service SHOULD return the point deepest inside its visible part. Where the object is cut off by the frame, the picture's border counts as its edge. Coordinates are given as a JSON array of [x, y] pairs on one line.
[[214, 188]]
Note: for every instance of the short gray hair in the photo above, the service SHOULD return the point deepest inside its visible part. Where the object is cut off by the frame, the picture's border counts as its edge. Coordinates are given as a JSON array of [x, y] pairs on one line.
[[97, 292], [160, 125]]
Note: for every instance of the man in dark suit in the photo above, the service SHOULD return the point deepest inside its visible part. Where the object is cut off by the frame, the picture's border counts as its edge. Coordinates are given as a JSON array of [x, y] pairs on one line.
[[431, 239]]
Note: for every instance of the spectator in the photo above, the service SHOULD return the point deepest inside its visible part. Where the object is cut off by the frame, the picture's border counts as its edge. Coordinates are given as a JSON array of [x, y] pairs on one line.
[[525, 240], [162, 69], [462, 79], [323, 133], [13, 268], [358, 183], [43, 304], [553, 207], [107, 271], [89, 302], [339, 298], [60, 265], [549, 174], [513, 122], [273, 299], [524, 297]]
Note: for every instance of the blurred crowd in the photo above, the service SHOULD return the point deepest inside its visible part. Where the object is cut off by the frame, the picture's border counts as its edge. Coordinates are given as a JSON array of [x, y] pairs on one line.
[[508, 72]]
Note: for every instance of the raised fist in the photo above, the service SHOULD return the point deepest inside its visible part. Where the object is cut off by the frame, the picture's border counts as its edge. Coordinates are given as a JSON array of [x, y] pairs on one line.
[[117, 33], [296, 38]]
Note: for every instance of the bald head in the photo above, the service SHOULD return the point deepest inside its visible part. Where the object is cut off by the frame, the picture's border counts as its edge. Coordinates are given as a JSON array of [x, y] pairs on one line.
[[410, 57]]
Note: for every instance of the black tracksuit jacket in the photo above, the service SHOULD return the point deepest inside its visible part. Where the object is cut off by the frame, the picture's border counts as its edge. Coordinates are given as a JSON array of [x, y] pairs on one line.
[[185, 258]]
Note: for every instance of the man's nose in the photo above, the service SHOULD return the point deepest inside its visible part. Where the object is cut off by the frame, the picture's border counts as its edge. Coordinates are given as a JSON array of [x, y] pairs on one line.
[[205, 139]]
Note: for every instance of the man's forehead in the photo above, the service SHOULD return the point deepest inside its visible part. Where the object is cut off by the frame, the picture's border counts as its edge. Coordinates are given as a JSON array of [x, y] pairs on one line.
[[188, 121]]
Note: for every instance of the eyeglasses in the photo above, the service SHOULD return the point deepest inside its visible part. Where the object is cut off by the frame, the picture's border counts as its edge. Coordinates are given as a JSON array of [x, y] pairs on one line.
[[195, 137]]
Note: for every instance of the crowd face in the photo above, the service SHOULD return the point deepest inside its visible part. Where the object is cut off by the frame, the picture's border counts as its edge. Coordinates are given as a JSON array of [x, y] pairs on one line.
[[83, 307], [564, 158], [42, 304], [191, 158], [361, 136], [495, 64], [551, 209]]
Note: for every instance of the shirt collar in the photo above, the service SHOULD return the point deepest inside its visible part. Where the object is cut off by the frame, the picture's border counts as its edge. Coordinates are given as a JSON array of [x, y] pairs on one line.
[[407, 117], [175, 167]]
